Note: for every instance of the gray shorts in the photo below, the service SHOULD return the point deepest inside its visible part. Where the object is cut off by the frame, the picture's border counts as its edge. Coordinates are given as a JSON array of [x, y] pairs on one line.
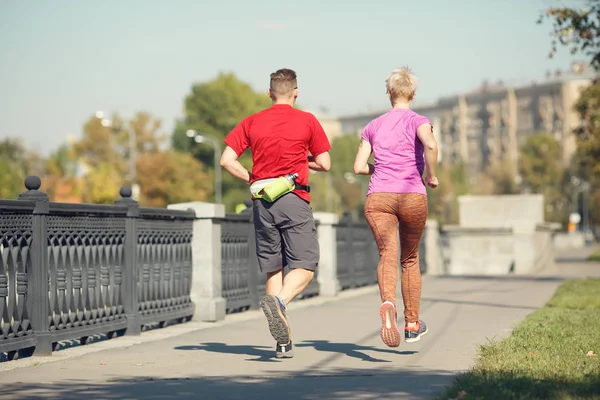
[[286, 235]]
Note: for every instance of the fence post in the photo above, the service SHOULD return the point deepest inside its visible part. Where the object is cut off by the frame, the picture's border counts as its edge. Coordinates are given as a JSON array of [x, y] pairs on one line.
[[349, 247], [130, 269], [37, 271], [329, 285], [432, 253], [253, 269], [207, 286]]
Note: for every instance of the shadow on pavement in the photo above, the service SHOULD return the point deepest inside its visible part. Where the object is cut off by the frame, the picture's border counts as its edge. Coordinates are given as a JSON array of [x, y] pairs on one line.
[[332, 385], [515, 278], [264, 353], [478, 303], [350, 349], [267, 354]]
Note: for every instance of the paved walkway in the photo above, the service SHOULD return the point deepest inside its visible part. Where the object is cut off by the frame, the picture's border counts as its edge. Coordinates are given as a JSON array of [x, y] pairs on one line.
[[339, 354]]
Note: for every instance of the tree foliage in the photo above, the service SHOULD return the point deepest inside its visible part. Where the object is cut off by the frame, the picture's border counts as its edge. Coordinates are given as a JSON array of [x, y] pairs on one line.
[[578, 29], [60, 179], [348, 191], [497, 179], [164, 176], [168, 177], [213, 109], [543, 173], [13, 164], [443, 201], [539, 165], [586, 162]]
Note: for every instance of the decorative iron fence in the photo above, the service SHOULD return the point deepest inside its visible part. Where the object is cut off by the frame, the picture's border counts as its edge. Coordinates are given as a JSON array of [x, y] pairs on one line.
[[239, 267], [243, 284], [357, 254], [71, 271]]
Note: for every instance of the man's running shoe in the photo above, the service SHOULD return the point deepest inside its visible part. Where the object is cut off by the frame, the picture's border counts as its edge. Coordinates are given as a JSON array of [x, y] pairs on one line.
[[284, 350], [274, 310]]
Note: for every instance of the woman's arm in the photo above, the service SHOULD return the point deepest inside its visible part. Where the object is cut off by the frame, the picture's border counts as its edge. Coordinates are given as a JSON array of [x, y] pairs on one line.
[[361, 162], [425, 134]]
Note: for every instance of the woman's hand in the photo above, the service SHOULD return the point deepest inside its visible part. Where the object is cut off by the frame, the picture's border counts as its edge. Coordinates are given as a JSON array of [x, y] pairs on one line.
[[432, 181]]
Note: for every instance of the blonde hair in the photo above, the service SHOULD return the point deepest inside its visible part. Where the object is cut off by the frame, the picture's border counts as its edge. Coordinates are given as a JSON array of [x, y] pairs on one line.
[[401, 83]]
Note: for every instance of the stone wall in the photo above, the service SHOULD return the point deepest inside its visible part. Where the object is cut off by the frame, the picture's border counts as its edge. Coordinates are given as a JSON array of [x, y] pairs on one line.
[[499, 235]]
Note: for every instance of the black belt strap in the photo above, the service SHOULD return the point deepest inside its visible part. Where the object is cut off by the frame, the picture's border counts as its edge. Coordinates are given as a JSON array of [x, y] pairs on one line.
[[303, 187]]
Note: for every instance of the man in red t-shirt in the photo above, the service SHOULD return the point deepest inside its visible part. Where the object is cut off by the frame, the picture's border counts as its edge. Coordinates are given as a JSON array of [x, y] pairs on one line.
[[281, 139]]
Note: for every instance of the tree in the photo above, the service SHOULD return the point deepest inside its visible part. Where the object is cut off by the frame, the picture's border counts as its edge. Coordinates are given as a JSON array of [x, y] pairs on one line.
[[13, 164], [586, 162], [443, 201], [101, 184], [168, 177], [350, 189], [539, 166], [214, 108], [164, 176], [60, 180], [107, 140], [497, 179], [579, 29], [542, 173]]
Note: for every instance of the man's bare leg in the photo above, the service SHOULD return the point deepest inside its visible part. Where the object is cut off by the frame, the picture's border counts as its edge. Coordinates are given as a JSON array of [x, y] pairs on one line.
[[275, 302], [294, 283], [274, 282]]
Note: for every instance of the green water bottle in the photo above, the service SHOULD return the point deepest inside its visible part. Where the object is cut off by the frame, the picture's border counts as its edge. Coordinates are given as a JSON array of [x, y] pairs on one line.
[[281, 186]]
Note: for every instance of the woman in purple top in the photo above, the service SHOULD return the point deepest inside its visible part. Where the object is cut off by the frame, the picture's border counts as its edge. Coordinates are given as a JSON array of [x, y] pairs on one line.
[[403, 146]]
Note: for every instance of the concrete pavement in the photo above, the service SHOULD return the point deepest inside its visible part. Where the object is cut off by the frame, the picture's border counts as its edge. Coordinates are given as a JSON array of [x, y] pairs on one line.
[[339, 354]]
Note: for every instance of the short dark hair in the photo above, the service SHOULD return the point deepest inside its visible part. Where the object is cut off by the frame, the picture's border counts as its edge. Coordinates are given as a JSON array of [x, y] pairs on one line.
[[283, 81]]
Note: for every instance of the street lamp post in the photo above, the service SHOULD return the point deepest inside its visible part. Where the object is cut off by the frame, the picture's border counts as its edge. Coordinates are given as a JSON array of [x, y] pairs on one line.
[[583, 187], [202, 138], [132, 138]]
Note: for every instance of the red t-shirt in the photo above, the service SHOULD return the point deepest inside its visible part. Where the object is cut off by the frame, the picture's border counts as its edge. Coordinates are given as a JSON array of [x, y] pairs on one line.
[[280, 138]]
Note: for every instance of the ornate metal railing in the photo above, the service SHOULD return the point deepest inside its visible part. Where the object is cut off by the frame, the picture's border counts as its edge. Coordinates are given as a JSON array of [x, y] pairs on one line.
[[243, 284], [16, 234], [165, 258], [85, 246], [239, 268], [71, 271], [357, 254], [74, 271]]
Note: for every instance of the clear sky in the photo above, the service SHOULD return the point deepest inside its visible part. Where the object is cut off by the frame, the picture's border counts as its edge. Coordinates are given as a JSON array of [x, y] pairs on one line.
[[61, 60]]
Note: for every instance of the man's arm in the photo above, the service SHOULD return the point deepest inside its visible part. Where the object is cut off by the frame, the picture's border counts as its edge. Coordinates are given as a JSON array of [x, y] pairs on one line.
[[321, 162], [361, 162], [229, 161]]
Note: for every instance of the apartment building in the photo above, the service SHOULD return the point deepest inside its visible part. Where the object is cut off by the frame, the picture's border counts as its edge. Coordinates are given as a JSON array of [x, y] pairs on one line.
[[493, 121]]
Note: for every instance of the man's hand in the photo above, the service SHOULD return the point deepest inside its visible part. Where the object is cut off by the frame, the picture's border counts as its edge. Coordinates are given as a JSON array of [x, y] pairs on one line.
[[432, 181]]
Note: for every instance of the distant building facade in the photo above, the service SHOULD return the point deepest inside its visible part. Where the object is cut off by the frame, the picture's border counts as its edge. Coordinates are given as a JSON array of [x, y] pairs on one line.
[[493, 122]]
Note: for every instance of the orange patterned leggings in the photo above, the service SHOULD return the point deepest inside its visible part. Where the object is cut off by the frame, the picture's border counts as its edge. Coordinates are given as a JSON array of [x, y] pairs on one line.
[[389, 214]]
